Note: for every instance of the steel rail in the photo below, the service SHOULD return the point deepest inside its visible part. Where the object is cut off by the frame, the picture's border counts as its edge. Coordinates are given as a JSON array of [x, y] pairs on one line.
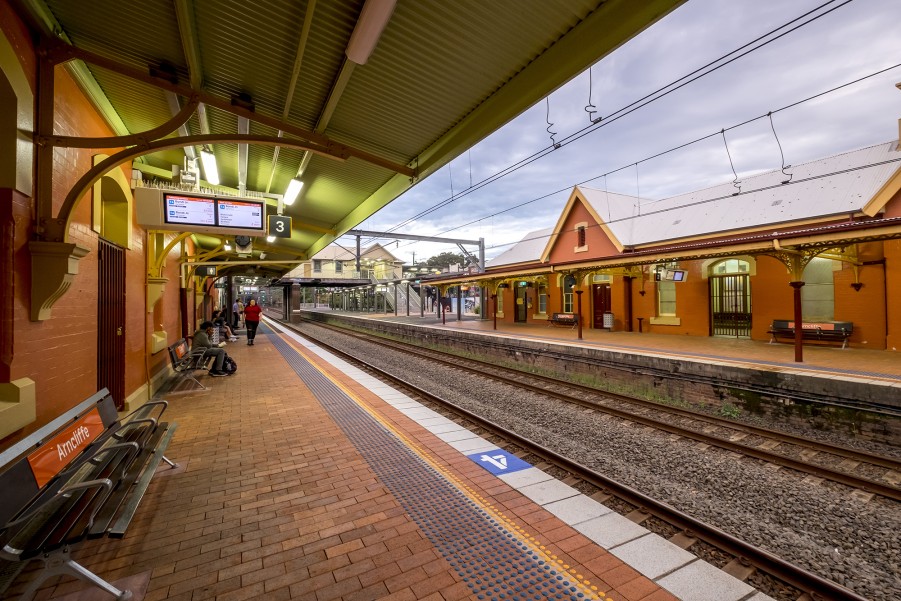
[[851, 480]]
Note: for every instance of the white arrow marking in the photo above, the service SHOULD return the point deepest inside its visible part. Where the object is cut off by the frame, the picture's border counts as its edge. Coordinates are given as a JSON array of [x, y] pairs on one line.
[[499, 461]]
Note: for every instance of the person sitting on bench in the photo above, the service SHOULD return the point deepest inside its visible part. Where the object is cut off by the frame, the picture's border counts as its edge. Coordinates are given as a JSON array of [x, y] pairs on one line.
[[219, 321], [202, 340]]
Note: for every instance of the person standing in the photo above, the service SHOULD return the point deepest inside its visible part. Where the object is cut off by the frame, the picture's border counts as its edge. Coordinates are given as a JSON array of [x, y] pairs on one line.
[[240, 314], [203, 339], [252, 319], [235, 315]]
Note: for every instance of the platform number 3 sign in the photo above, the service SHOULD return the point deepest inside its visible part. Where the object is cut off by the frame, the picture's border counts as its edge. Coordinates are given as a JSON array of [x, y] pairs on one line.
[[280, 226]]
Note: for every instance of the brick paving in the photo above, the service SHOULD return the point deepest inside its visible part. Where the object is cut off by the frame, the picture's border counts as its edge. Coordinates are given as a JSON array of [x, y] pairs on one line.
[[272, 501]]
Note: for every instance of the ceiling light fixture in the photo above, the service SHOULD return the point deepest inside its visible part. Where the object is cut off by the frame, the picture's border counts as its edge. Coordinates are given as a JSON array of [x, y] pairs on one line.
[[373, 19], [228, 247], [210, 172], [270, 239], [292, 192]]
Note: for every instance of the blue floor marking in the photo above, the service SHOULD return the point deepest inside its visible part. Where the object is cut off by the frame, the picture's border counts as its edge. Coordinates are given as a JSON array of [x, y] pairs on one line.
[[490, 559]]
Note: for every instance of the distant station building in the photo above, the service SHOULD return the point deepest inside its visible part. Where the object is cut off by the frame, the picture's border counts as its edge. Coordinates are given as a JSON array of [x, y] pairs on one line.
[[723, 261]]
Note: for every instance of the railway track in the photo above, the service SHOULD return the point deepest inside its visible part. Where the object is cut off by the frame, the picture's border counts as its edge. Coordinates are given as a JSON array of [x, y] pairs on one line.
[[746, 558], [877, 474]]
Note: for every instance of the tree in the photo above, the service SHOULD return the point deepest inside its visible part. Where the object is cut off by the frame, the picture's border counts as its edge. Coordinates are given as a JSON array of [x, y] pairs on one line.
[[445, 260]]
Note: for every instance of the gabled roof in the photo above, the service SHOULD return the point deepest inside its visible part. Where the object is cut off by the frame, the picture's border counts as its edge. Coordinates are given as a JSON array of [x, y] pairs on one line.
[[616, 208], [527, 250], [837, 185], [334, 252]]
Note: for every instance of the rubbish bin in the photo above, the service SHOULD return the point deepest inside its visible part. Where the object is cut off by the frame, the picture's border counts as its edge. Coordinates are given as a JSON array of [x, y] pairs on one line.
[[608, 320]]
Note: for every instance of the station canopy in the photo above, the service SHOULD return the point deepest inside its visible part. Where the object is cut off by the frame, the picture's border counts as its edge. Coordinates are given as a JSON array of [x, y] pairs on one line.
[[440, 77]]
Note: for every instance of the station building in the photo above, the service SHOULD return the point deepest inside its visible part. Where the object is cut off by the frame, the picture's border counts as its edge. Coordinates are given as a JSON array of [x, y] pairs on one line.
[[723, 261]]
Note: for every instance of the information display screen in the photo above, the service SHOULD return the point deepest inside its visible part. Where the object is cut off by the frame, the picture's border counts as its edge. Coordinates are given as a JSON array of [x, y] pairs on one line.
[[240, 214], [189, 210]]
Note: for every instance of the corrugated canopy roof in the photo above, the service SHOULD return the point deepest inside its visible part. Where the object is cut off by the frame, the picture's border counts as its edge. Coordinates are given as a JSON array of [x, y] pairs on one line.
[[443, 75]]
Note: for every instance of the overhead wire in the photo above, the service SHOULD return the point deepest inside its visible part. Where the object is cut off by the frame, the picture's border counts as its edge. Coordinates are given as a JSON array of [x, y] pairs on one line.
[[661, 92], [714, 199], [678, 147]]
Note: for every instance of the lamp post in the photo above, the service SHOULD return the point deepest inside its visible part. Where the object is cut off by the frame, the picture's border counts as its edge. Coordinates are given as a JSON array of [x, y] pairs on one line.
[[579, 313]]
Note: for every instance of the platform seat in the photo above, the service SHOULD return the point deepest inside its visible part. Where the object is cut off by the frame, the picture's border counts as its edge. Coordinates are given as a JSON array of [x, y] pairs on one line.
[[825, 331]]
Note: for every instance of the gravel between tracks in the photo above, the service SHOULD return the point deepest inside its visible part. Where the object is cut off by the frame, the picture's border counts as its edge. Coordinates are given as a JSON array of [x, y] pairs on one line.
[[820, 527]]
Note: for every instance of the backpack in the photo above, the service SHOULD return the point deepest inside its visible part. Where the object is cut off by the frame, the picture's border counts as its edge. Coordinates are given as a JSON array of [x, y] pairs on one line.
[[229, 366]]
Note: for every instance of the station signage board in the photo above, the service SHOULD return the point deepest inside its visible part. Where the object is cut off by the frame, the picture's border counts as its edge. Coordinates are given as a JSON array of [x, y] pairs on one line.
[[198, 212]]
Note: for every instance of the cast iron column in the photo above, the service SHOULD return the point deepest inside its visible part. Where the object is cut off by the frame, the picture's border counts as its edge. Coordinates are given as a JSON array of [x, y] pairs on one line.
[[494, 309], [579, 306], [799, 333]]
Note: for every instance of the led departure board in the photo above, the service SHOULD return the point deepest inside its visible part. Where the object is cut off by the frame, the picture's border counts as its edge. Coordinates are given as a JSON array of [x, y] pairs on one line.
[[240, 214], [200, 212], [190, 210]]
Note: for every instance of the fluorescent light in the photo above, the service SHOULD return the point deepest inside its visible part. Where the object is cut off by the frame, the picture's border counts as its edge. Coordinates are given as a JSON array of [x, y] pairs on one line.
[[270, 239], [228, 246], [292, 192], [210, 172], [368, 30]]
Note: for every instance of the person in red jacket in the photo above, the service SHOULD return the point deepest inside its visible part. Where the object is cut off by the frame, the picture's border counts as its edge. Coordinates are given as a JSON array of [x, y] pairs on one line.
[[252, 319]]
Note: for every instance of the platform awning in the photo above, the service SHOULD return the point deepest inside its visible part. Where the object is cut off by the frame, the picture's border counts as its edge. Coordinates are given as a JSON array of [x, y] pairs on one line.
[[441, 77]]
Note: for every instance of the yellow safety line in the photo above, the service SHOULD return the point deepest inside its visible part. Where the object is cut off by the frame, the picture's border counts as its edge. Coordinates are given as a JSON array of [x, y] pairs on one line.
[[585, 586]]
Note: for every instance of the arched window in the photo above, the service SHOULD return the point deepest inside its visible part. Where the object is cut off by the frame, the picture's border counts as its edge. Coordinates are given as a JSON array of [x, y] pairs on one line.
[[730, 266]]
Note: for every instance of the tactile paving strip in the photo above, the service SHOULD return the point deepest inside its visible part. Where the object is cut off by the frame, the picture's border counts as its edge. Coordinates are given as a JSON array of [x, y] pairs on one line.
[[494, 561]]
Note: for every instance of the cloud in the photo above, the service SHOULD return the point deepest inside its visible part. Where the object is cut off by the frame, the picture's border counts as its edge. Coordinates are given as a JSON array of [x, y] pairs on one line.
[[850, 42]]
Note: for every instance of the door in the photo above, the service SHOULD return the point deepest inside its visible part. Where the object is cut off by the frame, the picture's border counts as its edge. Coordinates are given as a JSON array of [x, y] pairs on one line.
[[522, 304], [730, 305], [111, 322], [600, 300]]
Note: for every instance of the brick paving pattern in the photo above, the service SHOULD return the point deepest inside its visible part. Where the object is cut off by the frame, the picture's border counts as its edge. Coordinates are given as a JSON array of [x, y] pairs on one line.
[[271, 500]]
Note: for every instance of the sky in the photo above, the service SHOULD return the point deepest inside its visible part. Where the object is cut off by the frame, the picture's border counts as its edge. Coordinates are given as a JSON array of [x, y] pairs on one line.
[[856, 39]]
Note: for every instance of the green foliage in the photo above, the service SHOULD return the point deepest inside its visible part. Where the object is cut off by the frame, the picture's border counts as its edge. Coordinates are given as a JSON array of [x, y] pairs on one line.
[[730, 411], [445, 260]]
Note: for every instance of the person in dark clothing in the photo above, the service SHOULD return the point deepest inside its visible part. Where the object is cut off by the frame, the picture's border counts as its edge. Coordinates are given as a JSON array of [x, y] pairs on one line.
[[252, 319], [219, 321], [202, 340]]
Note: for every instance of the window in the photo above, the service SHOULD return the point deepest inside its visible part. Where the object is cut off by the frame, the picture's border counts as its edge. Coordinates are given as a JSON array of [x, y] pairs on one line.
[[339, 267], [581, 238], [317, 265], [818, 292], [542, 299], [666, 299], [500, 300], [731, 266], [569, 283]]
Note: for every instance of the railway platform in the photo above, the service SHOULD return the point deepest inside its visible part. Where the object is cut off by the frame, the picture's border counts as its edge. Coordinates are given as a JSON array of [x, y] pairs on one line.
[[301, 477], [827, 361]]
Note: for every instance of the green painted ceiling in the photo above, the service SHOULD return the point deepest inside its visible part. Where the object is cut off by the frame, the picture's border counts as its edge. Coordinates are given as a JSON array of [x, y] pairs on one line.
[[443, 75]]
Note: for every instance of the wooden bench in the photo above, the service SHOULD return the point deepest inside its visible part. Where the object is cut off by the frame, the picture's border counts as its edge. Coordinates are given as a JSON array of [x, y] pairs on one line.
[[185, 361], [825, 331], [81, 476], [563, 319]]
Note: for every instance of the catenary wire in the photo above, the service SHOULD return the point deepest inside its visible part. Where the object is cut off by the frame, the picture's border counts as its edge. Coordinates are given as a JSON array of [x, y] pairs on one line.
[[637, 104]]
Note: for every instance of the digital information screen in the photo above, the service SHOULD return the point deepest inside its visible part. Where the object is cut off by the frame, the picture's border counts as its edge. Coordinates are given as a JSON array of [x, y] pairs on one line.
[[240, 213], [189, 210]]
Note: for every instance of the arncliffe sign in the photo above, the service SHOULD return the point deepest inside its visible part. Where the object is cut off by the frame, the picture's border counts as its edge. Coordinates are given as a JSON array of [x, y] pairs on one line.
[[56, 453]]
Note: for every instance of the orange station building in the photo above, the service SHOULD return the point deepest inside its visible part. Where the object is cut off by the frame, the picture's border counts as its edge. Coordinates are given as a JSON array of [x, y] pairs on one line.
[[724, 261]]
